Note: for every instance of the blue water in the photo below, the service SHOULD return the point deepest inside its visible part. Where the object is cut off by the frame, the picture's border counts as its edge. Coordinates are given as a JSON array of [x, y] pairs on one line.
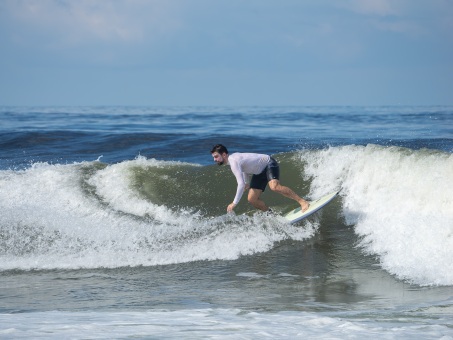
[[118, 133], [113, 224]]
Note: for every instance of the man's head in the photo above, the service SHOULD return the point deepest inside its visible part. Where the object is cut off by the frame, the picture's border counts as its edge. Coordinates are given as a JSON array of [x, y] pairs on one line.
[[220, 154]]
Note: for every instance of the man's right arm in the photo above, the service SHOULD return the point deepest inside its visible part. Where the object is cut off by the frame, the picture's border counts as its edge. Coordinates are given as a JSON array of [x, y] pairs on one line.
[[240, 181]]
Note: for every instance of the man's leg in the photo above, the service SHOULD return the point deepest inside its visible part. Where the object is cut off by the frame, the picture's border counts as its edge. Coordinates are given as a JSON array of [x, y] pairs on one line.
[[254, 199], [287, 192]]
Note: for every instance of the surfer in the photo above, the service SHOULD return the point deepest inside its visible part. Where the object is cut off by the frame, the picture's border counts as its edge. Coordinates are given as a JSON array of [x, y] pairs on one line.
[[262, 169]]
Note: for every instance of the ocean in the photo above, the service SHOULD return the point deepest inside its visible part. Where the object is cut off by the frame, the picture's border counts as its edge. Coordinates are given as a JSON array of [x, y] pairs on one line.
[[113, 224]]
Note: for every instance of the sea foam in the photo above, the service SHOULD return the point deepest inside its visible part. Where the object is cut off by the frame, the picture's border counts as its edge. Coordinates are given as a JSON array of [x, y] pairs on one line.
[[89, 215], [400, 202]]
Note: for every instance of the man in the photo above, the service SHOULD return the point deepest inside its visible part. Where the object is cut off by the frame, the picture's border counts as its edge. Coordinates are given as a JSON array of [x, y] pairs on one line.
[[264, 170]]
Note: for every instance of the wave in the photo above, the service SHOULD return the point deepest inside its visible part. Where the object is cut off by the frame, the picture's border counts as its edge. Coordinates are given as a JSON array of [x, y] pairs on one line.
[[399, 201], [146, 212], [135, 213]]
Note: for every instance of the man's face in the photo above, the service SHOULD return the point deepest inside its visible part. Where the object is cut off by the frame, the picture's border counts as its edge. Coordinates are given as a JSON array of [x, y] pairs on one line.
[[218, 158]]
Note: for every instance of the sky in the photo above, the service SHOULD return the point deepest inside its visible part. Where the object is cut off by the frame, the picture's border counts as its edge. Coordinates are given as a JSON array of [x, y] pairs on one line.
[[226, 52]]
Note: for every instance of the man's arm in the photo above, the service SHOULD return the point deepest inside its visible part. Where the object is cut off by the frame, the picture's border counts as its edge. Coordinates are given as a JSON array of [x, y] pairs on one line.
[[240, 185]]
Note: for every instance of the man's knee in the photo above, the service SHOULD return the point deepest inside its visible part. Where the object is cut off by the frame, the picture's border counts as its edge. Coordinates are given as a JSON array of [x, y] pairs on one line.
[[252, 199], [274, 185], [253, 196]]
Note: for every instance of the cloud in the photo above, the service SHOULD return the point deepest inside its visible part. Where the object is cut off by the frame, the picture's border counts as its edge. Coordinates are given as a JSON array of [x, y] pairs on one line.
[[373, 7], [418, 11], [71, 23], [404, 27], [414, 18]]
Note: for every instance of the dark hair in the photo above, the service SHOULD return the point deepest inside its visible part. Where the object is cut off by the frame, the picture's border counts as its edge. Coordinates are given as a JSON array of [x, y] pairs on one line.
[[220, 149]]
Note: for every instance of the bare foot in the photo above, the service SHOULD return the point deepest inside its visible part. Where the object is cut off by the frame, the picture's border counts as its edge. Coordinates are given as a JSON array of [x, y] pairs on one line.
[[304, 205]]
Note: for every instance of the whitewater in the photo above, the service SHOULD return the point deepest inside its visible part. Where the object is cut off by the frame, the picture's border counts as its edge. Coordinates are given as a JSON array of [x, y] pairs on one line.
[[113, 224], [71, 216]]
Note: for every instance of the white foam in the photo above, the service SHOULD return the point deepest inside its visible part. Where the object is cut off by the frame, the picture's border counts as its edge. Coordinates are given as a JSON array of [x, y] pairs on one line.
[[215, 323], [113, 184], [252, 275], [400, 202], [52, 219]]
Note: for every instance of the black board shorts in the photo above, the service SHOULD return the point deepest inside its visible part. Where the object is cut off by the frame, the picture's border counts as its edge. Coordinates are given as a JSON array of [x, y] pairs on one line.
[[270, 172]]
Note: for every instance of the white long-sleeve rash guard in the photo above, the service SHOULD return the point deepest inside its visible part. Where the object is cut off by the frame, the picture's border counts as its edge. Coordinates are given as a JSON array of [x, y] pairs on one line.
[[243, 166]]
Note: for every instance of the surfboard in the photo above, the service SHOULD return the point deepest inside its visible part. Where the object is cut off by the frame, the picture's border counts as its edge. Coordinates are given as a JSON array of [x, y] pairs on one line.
[[297, 215]]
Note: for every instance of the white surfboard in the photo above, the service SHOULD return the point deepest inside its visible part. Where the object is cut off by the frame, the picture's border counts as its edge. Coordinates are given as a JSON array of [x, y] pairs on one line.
[[296, 215]]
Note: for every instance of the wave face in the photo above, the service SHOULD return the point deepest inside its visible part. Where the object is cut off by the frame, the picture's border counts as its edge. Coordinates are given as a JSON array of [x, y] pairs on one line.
[[147, 212], [142, 212], [399, 201]]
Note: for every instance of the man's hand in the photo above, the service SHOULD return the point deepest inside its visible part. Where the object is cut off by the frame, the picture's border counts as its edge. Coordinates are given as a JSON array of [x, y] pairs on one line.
[[231, 207]]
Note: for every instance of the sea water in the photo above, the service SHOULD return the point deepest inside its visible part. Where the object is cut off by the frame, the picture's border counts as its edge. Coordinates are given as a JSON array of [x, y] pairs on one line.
[[113, 224]]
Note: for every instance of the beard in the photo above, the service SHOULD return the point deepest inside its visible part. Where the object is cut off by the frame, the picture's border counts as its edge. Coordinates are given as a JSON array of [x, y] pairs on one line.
[[220, 161]]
